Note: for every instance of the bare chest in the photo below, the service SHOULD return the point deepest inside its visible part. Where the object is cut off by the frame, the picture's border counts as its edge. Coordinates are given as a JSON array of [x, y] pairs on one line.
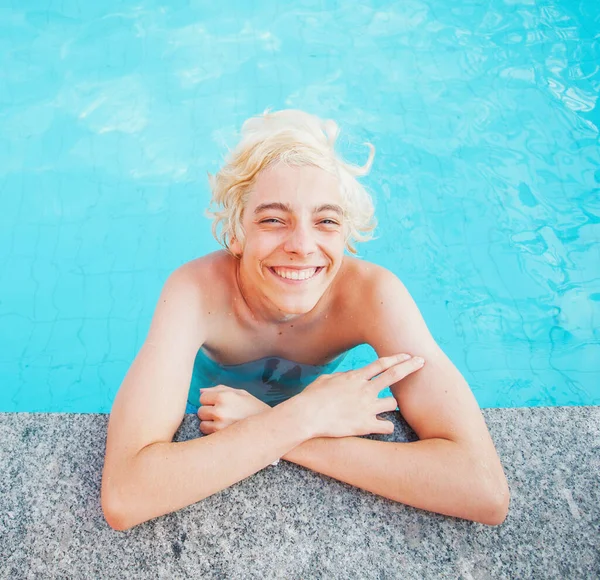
[[231, 343], [232, 338]]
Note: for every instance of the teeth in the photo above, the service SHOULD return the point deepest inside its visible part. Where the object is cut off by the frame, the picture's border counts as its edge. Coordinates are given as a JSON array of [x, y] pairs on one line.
[[295, 274]]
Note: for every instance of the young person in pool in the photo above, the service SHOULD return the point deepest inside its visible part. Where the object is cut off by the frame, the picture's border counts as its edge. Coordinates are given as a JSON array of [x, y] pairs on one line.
[[285, 292]]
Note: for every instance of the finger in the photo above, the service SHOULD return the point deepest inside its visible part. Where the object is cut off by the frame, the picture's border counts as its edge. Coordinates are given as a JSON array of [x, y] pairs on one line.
[[215, 388], [382, 364], [386, 404], [384, 427], [207, 427], [206, 413], [210, 395], [396, 373]]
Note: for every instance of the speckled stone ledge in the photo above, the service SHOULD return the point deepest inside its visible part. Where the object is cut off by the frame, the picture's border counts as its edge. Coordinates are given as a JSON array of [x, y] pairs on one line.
[[289, 522]]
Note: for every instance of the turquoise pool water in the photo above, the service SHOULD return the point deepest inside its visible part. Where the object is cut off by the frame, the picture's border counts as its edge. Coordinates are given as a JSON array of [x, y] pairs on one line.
[[486, 177]]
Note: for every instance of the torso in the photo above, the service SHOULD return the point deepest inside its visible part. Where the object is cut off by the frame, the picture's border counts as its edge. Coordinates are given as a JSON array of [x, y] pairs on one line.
[[232, 337]]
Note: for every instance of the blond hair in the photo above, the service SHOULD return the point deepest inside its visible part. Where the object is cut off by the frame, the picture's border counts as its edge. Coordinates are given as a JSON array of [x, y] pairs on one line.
[[297, 139]]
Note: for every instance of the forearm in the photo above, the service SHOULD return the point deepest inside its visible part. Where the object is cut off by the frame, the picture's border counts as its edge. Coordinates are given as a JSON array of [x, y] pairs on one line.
[[434, 474], [164, 477]]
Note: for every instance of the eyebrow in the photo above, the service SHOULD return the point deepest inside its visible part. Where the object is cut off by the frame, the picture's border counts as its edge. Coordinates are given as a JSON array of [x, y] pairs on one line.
[[288, 208]]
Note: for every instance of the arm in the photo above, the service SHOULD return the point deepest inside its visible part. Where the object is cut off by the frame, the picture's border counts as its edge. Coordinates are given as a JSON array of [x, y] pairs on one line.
[[454, 468], [147, 475]]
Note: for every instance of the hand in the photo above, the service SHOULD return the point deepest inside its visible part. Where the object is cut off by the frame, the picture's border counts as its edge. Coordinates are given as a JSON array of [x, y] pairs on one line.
[[346, 404], [222, 406]]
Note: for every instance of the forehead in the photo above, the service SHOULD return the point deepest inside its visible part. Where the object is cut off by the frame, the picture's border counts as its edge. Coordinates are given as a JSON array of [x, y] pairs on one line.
[[297, 186]]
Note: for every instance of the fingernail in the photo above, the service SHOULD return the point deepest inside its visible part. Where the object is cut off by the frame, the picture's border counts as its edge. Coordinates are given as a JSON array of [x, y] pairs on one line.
[[402, 357], [419, 360]]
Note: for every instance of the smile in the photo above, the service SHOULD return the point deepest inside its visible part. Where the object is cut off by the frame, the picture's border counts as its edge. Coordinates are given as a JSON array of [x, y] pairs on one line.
[[296, 274]]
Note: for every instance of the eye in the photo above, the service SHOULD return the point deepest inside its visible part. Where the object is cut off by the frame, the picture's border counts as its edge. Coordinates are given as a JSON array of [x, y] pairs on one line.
[[329, 222], [270, 220]]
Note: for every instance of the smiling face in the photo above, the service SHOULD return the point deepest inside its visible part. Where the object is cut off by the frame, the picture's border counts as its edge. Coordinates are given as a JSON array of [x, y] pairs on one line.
[[294, 242]]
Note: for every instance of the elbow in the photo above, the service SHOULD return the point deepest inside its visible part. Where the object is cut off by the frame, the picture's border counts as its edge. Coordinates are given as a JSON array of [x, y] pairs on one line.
[[495, 513], [112, 513], [114, 508], [495, 505]]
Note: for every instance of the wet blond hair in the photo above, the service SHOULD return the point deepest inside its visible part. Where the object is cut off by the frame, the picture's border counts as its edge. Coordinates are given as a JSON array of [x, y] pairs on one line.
[[297, 139]]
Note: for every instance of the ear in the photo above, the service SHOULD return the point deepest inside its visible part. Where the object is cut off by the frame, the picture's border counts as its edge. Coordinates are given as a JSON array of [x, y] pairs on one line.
[[235, 247]]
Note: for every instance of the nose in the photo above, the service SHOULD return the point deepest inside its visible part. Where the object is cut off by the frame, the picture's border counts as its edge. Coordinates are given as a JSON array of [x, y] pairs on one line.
[[301, 240]]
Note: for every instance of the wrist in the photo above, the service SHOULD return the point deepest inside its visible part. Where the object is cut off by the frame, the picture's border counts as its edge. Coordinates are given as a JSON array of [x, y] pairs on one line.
[[293, 456], [302, 416]]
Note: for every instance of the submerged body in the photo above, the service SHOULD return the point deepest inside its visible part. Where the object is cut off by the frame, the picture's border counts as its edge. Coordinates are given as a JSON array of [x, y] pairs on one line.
[[271, 379]]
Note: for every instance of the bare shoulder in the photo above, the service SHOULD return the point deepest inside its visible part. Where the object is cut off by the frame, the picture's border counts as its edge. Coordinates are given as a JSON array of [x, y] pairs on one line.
[[370, 291], [367, 275], [212, 274], [209, 268]]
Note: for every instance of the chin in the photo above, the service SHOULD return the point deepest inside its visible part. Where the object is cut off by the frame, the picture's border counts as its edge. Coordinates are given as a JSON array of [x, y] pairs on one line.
[[297, 309]]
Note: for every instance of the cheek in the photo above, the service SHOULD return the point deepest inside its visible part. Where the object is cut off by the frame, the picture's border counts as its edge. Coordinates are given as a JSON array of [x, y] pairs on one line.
[[338, 244], [262, 250]]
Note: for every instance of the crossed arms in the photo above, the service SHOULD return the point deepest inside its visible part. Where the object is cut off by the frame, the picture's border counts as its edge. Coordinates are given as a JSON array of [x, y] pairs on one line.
[[453, 469]]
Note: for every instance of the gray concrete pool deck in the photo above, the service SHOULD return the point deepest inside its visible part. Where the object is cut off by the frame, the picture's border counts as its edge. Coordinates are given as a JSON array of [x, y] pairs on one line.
[[289, 522]]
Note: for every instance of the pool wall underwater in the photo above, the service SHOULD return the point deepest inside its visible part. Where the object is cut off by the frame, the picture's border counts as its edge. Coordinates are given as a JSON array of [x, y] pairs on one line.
[[486, 176]]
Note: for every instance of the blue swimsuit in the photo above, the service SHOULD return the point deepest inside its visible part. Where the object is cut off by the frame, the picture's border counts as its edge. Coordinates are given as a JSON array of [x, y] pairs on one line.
[[270, 379]]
